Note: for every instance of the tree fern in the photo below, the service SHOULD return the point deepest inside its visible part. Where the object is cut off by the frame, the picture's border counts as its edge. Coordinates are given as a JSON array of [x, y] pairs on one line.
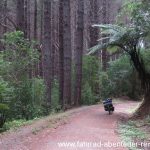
[[117, 36]]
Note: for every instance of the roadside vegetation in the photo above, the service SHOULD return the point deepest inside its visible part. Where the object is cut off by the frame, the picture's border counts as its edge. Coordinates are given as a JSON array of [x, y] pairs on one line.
[[135, 134], [38, 124]]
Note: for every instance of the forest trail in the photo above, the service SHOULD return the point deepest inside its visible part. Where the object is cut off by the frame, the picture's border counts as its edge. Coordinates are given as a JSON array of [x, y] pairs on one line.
[[83, 126]]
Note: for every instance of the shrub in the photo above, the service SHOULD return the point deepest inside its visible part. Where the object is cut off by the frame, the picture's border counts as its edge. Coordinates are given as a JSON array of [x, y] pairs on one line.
[[120, 80], [91, 82], [87, 95], [55, 105], [17, 63], [5, 97], [18, 59], [29, 96], [106, 86], [3, 109]]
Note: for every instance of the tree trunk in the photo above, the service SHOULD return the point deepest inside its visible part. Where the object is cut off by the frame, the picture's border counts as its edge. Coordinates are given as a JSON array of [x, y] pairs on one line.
[[67, 52], [1, 27], [61, 54], [41, 21], [144, 108], [35, 19], [20, 15], [28, 20], [41, 39], [94, 32], [53, 39], [104, 21], [56, 24], [144, 76], [79, 52], [25, 18], [47, 50], [5, 14]]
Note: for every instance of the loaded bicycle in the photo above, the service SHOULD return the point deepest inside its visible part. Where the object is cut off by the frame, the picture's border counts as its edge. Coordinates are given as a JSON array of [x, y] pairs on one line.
[[108, 106]]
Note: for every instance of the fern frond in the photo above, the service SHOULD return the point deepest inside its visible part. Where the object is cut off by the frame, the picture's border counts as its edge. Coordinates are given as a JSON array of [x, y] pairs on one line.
[[117, 36], [94, 49]]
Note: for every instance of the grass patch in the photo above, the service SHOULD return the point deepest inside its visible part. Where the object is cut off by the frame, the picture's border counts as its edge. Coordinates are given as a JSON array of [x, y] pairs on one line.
[[51, 121], [15, 124], [129, 133]]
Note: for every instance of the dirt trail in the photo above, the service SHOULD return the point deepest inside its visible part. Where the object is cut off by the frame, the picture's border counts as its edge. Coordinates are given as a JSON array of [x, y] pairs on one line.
[[87, 126]]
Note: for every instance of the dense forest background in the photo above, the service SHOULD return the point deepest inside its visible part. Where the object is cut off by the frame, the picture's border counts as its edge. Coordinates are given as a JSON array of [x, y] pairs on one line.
[[44, 66]]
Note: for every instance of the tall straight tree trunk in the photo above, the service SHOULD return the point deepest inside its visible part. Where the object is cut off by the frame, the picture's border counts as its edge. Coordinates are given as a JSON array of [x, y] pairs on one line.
[[41, 39], [41, 21], [67, 52], [79, 52], [104, 21], [28, 19], [61, 54], [20, 16], [1, 21], [47, 49], [5, 18], [35, 19], [56, 59], [25, 18], [54, 38], [5, 14], [94, 20], [35, 35]]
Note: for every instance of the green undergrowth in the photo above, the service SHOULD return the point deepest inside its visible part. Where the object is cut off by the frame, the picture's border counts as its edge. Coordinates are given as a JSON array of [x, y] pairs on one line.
[[133, 133], [15, 124], [50, 121]]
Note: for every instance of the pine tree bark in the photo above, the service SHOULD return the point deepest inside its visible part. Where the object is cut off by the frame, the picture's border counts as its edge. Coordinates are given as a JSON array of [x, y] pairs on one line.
[[94, 20], [5, 14], [20, 16], [1, 26], [28, 20], [41, 21], [25, 18], [79, 52], [41, 39], [61, 54], [35, 19], [53, 39], [104, 21], [47, 49], [67, 52]]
